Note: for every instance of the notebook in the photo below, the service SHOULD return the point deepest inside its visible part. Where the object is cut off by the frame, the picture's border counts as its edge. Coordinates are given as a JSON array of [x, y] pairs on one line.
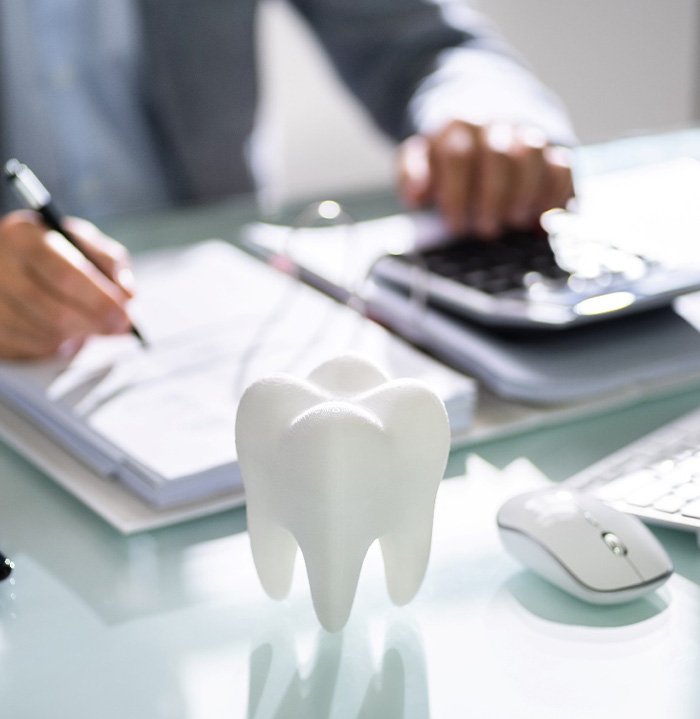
[[160, 421]]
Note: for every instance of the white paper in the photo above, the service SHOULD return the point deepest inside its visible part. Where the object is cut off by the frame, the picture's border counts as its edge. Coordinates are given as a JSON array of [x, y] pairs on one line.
[[215, 319]]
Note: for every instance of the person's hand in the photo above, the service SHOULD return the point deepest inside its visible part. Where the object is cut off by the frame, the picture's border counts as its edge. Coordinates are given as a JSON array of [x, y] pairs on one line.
[[51, 296], [484, 179]]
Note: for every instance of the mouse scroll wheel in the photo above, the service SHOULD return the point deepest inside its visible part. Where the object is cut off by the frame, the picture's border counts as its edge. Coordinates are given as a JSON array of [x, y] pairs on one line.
[[614, 544]]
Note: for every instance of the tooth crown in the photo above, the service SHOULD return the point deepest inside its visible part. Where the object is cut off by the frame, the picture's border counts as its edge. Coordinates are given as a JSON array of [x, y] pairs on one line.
[[332, 463]]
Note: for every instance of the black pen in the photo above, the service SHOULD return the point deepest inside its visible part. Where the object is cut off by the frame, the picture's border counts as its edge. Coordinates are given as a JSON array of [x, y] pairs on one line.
[[39, 199], [6, 567]]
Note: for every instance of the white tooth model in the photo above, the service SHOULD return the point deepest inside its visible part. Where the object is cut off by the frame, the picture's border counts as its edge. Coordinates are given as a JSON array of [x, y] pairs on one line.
[[330, 464]]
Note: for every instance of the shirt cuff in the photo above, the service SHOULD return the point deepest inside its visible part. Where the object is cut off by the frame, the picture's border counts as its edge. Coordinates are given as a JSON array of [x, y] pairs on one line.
[[479, 86]]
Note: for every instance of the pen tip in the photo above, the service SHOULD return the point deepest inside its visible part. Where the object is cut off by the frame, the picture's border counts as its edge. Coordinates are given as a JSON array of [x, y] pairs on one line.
[[139, 337]]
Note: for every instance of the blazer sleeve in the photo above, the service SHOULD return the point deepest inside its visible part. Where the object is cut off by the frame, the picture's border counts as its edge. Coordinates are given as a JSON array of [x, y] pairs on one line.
[[416, 64]]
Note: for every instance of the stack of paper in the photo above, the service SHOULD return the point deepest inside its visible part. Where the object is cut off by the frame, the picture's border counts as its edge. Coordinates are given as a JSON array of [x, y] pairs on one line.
[[161, 420]]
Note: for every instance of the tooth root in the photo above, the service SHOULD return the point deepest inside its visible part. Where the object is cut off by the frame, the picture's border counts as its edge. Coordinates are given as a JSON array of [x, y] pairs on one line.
[[273, 547], [332, 515], [333, 579], [406, 555], [274, 550], [420, 464]]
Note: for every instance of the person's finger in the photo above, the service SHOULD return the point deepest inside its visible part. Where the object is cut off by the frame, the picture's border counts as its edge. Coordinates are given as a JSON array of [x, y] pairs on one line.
[[23, 300], [41, 311], [111, 257], [528, 176], [454, 160], [495, 180], [22, 340], [35, 320], [558, 185], [414, 180], [73, 280], [14, 345]]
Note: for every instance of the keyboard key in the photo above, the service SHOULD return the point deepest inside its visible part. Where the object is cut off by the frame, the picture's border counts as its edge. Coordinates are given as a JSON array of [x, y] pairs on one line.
[[689, 490], [671, 503], [647, 495], [689, 467], [624, 486], [664, 466], [692, 509]]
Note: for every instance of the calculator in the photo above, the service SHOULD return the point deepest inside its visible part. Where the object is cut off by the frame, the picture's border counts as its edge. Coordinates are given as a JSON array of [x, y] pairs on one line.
[[536, 279]]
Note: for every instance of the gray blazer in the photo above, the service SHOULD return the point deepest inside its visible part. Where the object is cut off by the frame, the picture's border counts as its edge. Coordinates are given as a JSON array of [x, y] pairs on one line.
[[409, 62]]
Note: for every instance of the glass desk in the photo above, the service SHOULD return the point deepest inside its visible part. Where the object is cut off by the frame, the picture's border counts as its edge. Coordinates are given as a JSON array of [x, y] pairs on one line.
[[173, 624]]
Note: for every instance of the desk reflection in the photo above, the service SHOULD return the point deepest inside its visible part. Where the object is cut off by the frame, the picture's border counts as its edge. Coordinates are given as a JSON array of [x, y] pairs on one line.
[[362, 672]]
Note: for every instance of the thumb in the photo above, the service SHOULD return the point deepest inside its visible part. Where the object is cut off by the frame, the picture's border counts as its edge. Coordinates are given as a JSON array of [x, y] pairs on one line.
[[111, 257]]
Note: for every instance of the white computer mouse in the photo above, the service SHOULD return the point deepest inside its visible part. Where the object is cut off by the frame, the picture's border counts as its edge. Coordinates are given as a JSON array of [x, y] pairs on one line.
[[583, 546]]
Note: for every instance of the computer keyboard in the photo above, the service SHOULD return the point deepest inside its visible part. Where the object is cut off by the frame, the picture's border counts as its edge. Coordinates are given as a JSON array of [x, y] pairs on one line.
[[656, 477]]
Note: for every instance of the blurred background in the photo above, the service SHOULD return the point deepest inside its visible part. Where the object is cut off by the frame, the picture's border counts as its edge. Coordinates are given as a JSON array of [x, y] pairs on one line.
[[621, 67]]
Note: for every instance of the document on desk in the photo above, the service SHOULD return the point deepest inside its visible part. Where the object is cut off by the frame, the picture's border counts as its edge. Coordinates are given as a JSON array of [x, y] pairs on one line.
[[161, 420]]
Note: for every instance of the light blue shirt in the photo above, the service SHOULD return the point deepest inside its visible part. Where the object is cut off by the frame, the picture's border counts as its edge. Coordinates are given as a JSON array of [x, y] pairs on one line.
[[71, 81]]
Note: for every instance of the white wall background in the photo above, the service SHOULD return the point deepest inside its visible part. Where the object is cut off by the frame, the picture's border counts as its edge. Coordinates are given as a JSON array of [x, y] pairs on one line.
[[621, 66], [317, 140]]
